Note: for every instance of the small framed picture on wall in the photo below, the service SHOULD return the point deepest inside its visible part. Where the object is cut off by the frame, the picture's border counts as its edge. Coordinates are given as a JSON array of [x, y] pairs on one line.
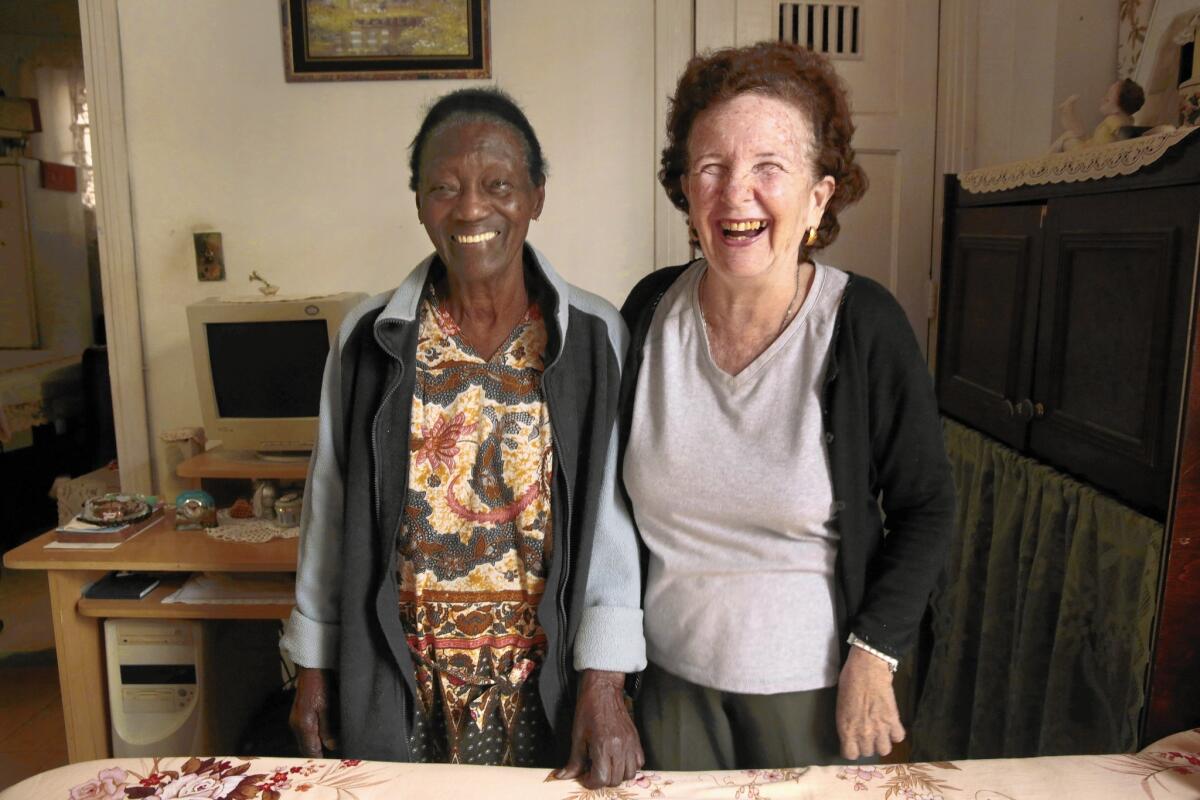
[[352, 40]]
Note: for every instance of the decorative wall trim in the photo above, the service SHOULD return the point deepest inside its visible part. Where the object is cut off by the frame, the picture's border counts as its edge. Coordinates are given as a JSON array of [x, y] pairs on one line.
[[98, 20], [958, 37], [957, 79], [674, 43]]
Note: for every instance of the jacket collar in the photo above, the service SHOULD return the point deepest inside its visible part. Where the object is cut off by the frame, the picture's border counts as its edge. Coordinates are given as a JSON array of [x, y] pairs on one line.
[[404, 303]]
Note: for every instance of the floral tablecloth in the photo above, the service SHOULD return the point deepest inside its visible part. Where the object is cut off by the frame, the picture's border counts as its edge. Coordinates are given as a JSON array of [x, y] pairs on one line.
[[1169, 768]]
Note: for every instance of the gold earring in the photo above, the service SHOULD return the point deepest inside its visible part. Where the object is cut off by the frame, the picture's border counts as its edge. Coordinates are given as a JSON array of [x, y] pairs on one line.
[[811, 238]]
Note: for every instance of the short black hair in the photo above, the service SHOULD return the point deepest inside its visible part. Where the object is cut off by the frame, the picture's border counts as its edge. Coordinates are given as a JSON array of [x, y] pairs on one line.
[[478, 102], [1130, 97]]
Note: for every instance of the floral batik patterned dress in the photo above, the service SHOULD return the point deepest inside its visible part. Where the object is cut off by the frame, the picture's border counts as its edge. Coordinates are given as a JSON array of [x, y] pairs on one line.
[[476, 542]]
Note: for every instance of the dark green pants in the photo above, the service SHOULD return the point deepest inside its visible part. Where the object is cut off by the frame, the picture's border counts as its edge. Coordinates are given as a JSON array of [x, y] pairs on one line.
[[688, 727]]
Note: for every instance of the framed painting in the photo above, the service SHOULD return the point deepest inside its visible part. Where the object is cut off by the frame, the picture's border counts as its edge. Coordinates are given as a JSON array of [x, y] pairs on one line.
[[352, 40]]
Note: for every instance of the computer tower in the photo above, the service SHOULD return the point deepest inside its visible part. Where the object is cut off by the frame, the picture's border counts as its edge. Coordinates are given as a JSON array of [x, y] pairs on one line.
[[187, 687]]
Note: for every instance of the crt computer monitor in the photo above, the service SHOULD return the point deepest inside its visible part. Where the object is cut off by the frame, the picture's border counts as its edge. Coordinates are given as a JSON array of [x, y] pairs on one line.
[[259, 364]]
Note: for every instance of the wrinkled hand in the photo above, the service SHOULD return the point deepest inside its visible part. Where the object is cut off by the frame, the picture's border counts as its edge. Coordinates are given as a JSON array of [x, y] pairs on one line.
[[868, 721], [605, 749], [310, 712]]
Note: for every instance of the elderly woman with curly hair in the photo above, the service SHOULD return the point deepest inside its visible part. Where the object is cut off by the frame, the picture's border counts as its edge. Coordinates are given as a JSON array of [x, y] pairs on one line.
[[782, 448]]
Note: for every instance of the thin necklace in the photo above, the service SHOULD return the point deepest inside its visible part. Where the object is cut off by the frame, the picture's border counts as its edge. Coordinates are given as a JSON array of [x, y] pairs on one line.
[[787, 312]]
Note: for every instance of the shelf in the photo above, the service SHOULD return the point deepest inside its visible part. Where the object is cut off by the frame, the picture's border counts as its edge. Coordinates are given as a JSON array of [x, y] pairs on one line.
[[152, 606], [220, 463]]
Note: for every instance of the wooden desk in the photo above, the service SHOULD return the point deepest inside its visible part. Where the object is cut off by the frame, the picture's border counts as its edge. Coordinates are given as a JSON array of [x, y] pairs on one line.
[[79, 635], [240, 464]]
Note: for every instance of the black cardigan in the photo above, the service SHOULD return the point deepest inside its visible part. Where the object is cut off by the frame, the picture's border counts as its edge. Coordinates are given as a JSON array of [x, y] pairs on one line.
[[887, 460]]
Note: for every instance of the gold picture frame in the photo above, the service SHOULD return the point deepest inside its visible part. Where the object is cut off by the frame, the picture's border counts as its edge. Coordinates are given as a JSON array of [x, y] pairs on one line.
[[351, 40]]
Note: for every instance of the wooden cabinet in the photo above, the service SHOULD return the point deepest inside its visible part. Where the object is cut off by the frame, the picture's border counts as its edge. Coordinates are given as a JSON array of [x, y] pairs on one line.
[[1067, 330], [989, 318], [1111, 347], [1064, 329]]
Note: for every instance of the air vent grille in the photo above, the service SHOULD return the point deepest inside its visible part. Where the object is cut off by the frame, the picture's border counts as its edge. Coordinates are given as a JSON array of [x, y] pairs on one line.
[[831, 28]]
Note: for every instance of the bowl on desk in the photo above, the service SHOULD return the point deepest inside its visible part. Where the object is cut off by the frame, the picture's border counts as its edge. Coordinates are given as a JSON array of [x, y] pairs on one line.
[[116, 509]]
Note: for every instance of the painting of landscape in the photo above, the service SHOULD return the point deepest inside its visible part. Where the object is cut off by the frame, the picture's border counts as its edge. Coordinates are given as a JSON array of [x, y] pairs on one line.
[[380, 40], [387, 28]]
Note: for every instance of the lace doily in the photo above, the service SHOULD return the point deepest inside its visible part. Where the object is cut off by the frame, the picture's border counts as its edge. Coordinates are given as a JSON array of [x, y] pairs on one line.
[[1086, 164], [254, 530]]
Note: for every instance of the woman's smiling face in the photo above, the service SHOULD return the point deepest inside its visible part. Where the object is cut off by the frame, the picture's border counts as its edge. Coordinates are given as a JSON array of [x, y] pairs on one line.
[[476, 198], [750, 184]]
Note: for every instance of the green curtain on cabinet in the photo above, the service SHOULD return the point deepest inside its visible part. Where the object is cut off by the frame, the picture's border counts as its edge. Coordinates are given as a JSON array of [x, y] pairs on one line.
[[1041, 625]]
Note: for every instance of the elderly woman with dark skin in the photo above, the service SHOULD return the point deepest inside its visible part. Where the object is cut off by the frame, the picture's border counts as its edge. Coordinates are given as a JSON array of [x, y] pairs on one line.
[[468, 586], [777, 419]]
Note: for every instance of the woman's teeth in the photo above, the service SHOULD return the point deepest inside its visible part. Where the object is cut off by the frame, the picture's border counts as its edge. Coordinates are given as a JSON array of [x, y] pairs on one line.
[[476, 238], [741, 230]]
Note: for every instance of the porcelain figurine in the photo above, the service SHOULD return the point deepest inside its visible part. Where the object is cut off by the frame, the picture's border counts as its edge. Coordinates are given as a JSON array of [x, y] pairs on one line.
[[1120, 103]]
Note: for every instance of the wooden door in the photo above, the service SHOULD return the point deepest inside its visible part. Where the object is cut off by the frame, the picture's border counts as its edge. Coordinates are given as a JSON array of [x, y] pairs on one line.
[[886, 51], [989, 319], [1116, 290], [18, 320]]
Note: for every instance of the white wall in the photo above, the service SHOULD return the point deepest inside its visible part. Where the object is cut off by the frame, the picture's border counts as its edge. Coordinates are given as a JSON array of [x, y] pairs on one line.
[[1032, 55], [1085, 56], [308, 182], [60, 269]]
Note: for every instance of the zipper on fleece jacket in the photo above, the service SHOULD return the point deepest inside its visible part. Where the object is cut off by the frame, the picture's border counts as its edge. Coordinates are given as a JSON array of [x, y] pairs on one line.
[[560, 605], [375, 492]]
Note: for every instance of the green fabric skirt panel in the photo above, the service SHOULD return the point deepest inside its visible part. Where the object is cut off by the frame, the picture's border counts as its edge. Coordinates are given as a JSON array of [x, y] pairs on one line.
[[1041, 624]]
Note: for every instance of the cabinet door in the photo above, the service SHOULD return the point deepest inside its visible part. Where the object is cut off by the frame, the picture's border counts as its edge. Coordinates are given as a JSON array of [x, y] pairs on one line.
[[989, 313], [1116, 290]]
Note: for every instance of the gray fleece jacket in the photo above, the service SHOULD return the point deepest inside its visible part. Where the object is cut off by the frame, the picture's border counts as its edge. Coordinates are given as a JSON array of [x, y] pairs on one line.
[[346, 616]]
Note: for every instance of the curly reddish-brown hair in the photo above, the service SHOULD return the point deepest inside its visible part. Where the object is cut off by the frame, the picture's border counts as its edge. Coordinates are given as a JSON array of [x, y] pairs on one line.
[[775, 69]]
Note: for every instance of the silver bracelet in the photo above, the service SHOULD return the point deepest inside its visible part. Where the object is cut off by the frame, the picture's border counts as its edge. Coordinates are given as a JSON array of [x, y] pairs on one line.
[[893, 663]]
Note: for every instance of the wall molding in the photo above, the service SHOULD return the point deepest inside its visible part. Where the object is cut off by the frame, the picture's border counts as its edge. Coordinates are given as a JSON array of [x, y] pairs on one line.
[[99, 26], [954, 151], [958, 36], [674, 43]]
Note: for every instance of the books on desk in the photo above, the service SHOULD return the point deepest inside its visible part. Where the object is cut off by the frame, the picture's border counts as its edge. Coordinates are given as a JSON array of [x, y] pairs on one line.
[[122, 586], [78, 533]]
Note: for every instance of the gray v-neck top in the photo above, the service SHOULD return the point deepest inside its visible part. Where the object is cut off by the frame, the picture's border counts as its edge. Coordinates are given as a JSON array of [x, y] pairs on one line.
[[730, 484]]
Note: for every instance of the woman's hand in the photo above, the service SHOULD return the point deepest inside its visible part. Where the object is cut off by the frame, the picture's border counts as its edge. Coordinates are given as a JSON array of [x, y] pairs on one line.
[[310, 712], [605, 749], [868, 721]]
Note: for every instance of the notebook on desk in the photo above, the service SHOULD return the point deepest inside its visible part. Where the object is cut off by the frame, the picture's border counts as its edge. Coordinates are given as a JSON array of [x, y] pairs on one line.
[[122, 586]]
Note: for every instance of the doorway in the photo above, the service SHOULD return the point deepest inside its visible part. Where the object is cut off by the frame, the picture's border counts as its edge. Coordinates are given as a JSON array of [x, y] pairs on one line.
[[55, 416]]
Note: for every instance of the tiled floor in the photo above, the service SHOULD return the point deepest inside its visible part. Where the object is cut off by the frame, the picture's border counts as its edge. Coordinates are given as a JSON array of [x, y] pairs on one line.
[[32, 738]]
